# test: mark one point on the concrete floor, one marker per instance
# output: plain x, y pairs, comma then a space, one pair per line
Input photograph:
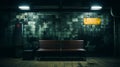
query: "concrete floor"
90, 62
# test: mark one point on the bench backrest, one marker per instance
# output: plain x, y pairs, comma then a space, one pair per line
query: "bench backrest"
72, 44
49, 44
61, 44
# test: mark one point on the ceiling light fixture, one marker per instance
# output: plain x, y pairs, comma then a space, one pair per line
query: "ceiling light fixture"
24, 7
96, 7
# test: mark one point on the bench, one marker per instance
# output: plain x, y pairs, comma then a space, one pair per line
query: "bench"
61, 49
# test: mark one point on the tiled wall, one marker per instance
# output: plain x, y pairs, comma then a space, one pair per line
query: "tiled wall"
63, 26
67, 25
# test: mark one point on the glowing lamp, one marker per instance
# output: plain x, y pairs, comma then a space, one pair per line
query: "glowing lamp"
24, 7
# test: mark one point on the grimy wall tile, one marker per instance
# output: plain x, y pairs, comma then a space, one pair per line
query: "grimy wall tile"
63, 26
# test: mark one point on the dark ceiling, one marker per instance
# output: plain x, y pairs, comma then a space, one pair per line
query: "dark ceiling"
45, 4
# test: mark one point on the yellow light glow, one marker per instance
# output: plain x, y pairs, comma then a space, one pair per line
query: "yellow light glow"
92, 21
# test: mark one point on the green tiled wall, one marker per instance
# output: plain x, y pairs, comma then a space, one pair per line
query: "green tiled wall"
67, 25
64, 26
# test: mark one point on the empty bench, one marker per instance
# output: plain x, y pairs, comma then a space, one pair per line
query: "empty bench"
61, 49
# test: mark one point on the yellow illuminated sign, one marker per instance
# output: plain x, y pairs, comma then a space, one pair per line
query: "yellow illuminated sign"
92, 21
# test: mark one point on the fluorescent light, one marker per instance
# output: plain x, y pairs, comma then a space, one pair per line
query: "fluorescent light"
24, 7
96, 7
